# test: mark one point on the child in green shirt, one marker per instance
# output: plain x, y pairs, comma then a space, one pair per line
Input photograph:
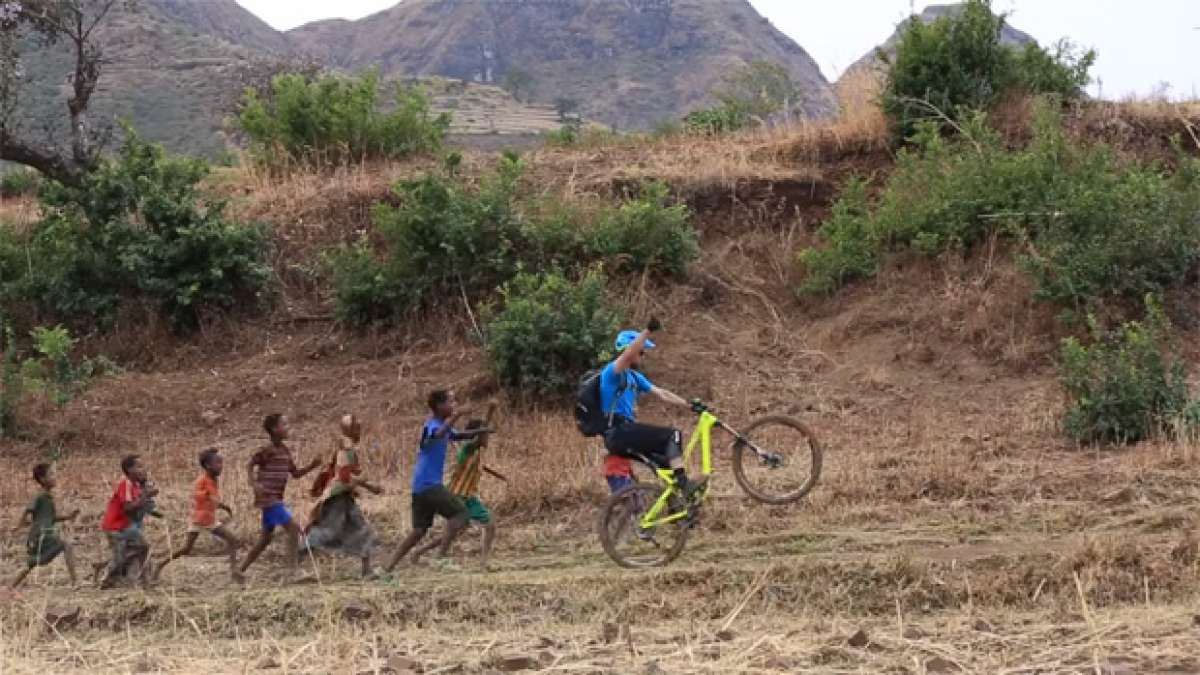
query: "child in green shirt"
43, 544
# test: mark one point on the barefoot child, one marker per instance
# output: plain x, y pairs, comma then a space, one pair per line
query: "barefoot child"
268, 472
132, 500
43, 544
206, 502
464, 484
429, 496
337, 522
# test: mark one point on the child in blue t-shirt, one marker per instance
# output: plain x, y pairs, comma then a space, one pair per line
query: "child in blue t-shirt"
429, 495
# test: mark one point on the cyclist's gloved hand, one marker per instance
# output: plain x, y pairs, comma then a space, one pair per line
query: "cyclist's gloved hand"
698, 406
655, 325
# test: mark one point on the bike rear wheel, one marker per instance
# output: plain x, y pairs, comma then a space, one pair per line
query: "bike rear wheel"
778, 461
627, 543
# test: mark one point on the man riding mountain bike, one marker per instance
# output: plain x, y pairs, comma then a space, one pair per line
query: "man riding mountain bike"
621, 384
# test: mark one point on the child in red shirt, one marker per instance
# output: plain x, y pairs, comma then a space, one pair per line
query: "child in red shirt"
132, 499
206, 502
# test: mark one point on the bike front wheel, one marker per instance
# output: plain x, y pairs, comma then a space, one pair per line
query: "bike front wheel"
777, 460
626, 542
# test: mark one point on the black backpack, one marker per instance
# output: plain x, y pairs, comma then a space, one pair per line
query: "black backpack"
590, 417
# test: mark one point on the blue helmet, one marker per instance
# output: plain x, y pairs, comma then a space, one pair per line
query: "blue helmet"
627, 337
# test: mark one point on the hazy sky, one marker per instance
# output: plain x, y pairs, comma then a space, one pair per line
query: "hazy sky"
1141, 44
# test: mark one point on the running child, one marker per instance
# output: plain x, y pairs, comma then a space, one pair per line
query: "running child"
206, 501
464, 484
337, 523
43, 544
429, 495
268, 472
132, 500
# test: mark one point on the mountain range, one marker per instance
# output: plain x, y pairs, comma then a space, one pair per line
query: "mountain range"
175, 68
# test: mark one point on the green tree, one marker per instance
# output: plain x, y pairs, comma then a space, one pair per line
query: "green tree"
518, 82
959, 61
137, 227
69, 28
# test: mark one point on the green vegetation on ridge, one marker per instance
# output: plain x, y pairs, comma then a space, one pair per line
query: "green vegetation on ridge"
959, 62
1097, 228
333, 120
446, 236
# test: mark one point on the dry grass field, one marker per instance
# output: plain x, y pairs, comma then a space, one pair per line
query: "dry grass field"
953, 530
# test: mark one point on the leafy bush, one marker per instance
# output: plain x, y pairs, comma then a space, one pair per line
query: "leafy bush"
50, 372
442, 236
647, 233
136, 228
1122, 388
1117, 234
717, 120
447, 237
366, 289
19, 183
958, 62
53, 372
1098, 229
336, 120
550, 330
562, 137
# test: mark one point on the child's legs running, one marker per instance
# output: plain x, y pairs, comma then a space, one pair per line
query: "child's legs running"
264, 540
292, 541
231, 543
455, 512
69, 559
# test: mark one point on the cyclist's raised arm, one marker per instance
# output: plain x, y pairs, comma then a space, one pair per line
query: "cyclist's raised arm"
670, 397
629, 355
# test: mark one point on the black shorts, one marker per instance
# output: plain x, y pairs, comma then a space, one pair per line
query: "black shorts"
435, 501
642, 442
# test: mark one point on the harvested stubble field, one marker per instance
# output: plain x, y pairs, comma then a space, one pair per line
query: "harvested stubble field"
953, 529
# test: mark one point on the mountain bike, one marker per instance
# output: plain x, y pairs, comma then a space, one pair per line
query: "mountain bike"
776, 460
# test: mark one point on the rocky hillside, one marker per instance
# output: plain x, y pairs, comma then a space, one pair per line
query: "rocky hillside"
1010, 35
629, 63
176, 67
227, 20
172, 67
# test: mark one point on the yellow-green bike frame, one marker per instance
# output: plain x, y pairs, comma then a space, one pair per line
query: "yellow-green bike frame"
702, 436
